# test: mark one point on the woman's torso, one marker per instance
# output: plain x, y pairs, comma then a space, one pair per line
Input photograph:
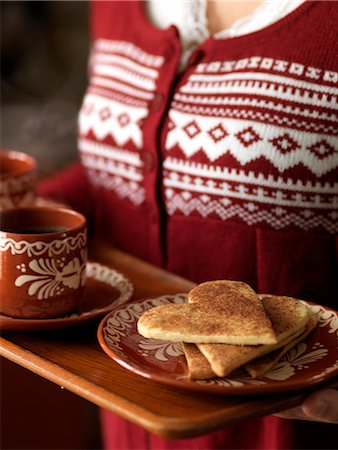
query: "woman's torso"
228, 169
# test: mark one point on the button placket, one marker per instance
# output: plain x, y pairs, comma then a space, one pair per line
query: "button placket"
150, 154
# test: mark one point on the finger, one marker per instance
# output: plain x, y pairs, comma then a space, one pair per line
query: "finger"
292, 413
322, 405
296, 413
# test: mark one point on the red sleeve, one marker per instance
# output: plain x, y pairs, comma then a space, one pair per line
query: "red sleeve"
71, 187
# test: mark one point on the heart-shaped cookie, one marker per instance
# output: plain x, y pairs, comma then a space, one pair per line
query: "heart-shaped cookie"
218, 311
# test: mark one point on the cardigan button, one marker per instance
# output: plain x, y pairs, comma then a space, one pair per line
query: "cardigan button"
195, 57
148, 160
156, 104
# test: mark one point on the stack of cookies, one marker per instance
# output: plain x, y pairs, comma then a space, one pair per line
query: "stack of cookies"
226, 325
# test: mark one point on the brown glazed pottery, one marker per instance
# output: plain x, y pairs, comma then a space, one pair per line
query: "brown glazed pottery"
43, 256
17, 179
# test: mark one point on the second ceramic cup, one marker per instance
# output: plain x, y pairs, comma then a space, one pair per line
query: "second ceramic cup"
43, 256
17, 179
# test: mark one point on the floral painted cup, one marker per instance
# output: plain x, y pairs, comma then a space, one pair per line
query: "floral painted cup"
43, 255
17, 179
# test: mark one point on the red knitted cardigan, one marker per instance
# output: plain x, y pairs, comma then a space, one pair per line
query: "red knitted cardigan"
227, 170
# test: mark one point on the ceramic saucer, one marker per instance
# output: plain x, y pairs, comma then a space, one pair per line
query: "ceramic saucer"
105, 288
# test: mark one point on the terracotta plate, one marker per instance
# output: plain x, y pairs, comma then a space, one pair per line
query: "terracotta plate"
105, 288
309, 363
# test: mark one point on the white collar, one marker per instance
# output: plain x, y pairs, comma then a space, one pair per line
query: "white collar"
190, 18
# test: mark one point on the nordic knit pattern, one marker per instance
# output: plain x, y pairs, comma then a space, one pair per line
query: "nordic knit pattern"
123, 83
255, 139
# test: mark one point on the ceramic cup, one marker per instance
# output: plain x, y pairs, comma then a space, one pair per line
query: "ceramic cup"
17, 179
43, 255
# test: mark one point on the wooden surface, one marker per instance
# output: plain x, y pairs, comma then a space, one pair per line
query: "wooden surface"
73, 359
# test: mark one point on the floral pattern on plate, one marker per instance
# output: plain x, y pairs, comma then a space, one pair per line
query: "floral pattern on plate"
308, 363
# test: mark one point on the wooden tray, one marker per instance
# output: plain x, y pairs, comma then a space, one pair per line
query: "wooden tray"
73, 359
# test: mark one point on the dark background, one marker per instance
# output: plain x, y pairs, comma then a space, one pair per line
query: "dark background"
44, 52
